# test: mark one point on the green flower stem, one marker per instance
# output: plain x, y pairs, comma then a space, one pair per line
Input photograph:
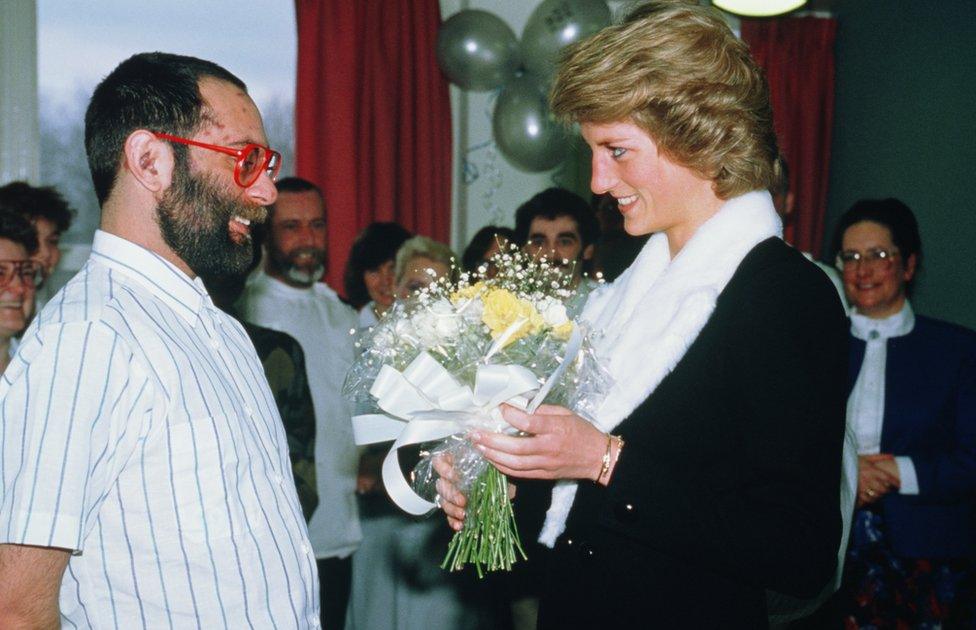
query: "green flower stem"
489, 539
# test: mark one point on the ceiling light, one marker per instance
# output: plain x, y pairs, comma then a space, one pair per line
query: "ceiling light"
759, 8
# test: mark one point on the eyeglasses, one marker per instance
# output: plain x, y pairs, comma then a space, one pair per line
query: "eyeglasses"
877, 258
30, 272
251, 160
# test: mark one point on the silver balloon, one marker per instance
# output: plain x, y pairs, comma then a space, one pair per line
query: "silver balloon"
556, 24
524, 129
477, 50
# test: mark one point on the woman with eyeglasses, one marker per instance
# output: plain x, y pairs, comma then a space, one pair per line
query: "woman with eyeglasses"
18, 276
913, 406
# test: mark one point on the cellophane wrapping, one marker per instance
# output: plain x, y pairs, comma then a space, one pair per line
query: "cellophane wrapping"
519, 317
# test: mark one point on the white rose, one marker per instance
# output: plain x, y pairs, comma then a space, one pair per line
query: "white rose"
446, 319
404, 328
436, 324
553, 312
424, 328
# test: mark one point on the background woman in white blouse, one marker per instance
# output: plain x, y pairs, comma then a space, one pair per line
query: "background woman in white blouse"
913, 406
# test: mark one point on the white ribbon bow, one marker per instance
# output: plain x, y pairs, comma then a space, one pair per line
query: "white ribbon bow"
425, 402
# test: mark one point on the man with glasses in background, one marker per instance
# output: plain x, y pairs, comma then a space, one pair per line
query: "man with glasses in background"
19, 275
145, 477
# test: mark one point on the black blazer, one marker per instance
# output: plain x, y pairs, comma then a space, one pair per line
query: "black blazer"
729, 481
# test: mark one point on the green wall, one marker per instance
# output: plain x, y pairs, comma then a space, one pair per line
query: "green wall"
905, 126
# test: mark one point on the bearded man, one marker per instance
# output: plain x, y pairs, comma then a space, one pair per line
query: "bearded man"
144, 471
287, 296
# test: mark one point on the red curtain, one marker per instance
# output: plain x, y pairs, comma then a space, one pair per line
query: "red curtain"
798, 57
373, 117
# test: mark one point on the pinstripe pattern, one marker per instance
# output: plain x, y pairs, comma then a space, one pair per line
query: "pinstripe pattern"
137, 428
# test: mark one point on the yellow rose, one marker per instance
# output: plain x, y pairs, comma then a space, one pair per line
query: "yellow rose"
563, 331
467, 292
503, 308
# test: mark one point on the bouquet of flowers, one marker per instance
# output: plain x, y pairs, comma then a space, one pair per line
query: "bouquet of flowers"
438, 366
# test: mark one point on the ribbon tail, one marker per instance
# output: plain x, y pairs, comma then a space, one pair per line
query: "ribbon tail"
396, 485
375, 427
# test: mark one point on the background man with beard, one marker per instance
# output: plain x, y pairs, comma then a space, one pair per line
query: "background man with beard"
144, 474
286, 296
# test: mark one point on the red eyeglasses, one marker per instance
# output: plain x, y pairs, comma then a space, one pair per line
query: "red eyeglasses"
251, 160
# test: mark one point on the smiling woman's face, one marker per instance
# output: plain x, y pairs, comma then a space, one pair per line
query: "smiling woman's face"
876, 288
653, 193
379, 285
17, 297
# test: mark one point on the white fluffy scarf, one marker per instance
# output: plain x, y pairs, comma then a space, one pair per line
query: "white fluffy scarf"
647, 319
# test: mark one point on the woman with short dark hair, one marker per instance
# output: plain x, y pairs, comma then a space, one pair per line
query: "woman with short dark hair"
913, 406
369, 277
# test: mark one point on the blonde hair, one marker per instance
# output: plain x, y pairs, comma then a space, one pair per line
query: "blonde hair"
678, 72
421, 246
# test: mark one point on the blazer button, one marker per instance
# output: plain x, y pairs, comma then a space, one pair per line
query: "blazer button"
625, 511
586, 552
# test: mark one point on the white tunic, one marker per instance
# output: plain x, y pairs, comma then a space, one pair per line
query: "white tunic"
322, 324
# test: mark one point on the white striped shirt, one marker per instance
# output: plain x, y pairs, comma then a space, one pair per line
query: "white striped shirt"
138, 430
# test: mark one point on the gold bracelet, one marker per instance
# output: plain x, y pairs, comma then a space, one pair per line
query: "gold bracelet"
620, 447
605, 463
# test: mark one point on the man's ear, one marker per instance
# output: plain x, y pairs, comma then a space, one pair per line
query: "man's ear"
588, 251
149, 160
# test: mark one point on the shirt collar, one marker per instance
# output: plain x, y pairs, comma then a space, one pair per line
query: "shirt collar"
897, 325
187, 296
